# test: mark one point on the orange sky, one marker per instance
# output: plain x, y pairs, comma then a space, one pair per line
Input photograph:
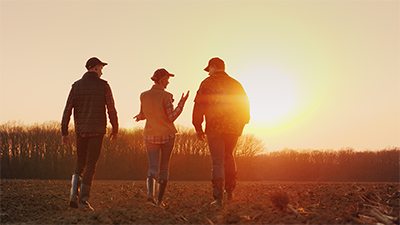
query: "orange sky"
319, 74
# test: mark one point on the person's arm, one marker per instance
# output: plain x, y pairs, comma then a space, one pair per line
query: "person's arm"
198, 115
172, 113
66, 117
140, 116
245, 106
112, 113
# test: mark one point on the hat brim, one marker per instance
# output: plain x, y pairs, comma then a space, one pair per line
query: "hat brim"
153, 78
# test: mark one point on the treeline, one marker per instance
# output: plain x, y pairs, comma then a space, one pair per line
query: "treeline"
36, 152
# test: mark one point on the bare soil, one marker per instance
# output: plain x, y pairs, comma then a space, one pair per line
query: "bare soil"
124, 202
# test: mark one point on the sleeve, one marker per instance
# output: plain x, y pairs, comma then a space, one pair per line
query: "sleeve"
141, 115
244, 104
172, 113
67, 112
198, 111
112, 112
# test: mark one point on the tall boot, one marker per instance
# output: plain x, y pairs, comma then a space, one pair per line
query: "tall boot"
162, 184
150, 181
84, 197
218, 192
73, 199
230, 185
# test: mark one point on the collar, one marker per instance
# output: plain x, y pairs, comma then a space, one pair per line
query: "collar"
157, 86
91, 74
218, 73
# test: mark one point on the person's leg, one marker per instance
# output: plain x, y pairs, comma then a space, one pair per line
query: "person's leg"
73, 199
93, 154
153, 152
153, 155
217, 151
216, 145
230, 164
81, 152
166, 151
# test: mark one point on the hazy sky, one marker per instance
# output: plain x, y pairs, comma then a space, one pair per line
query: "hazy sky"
319, 74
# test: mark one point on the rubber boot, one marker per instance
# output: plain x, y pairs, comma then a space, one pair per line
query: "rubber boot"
150, 181
218, 192
84, 197
162, 184
230, 185
73, 199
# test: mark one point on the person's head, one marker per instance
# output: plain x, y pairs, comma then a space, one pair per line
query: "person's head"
95, 65
161, 77
214, 65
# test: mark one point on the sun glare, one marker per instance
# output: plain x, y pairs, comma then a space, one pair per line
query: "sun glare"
272, 97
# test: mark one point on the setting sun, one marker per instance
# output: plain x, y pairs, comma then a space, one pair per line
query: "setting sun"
272, 97
279, 98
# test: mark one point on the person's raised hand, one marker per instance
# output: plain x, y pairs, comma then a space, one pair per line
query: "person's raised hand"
185, 97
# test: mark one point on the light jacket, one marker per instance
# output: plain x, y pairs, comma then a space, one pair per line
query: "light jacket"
152, 107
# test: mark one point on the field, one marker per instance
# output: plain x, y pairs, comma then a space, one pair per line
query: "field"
123, 202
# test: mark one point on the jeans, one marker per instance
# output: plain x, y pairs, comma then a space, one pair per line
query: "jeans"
88, 151
221, 149
157, 165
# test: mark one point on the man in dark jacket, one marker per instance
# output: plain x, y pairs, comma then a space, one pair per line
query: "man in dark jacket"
89, 97
222, 101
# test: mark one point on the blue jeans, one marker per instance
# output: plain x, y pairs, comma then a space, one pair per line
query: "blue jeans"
221, 149
157, 165
88, 150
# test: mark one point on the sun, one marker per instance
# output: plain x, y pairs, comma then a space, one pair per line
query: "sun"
272, 98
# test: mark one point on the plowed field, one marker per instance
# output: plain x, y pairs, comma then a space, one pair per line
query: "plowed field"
124, 202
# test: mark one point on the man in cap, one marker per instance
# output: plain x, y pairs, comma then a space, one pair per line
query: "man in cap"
222, 101
159, 131
88, 98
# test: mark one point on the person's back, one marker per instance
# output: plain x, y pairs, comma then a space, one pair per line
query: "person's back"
159, 132
88, 99
90, 104
226, 108
153, 102
225, 104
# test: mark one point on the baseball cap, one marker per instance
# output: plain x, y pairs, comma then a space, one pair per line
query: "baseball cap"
215, 61
94, 61
160, 73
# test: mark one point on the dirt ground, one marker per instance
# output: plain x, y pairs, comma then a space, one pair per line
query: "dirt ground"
124, 202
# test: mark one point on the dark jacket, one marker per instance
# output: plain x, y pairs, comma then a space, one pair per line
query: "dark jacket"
90, 104
224, 104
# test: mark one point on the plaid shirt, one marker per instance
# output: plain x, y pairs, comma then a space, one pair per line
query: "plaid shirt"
112, 113
172, 116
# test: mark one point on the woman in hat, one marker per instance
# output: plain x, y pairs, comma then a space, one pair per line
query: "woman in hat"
159, 131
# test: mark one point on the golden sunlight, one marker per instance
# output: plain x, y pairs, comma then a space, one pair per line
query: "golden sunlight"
272, 97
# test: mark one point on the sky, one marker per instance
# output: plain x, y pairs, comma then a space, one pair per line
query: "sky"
319, 74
